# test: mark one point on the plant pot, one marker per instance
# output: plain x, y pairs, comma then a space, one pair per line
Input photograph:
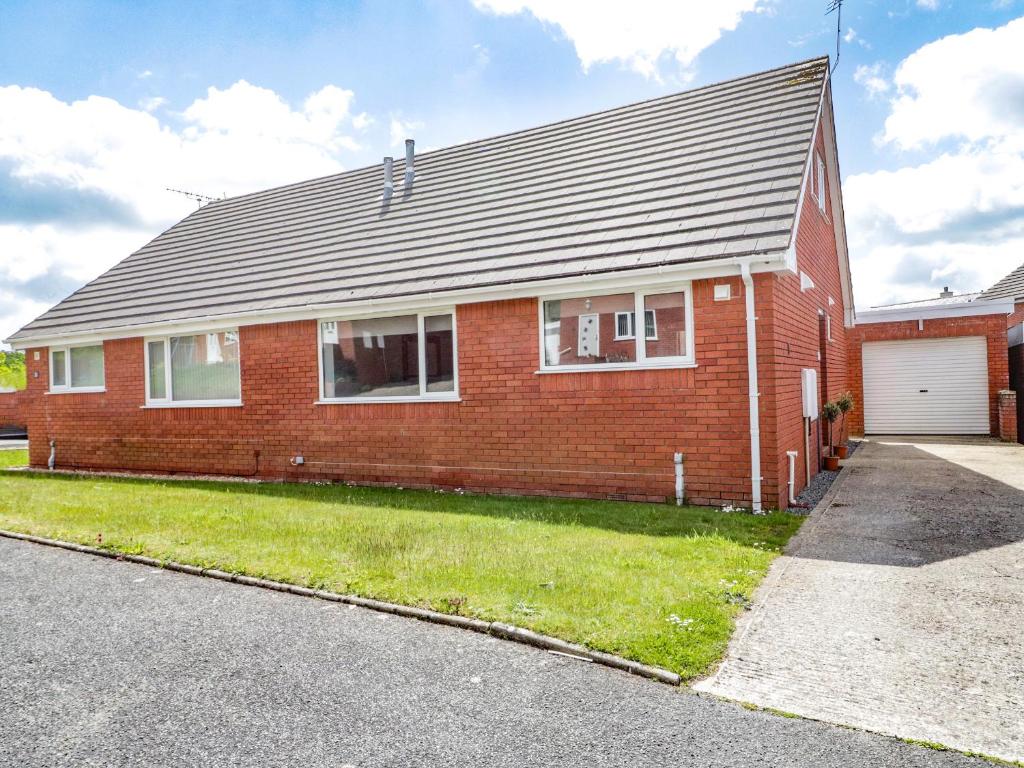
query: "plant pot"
831, 463
842, 451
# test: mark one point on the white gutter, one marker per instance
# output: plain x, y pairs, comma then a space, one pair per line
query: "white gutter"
936, 311
626, 280
754, 396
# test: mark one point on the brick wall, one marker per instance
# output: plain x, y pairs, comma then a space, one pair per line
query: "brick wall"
791, 320
597, 434
1017, 316
993, 327
14, 409
1008, 416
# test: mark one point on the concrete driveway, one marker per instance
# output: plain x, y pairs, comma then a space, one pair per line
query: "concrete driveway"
899, 607
105, 663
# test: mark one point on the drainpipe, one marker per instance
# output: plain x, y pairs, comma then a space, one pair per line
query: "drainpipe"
792, 476
678, 459
755, 428
52, 461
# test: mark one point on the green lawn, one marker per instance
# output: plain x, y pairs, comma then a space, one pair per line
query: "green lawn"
9, 458
651, 582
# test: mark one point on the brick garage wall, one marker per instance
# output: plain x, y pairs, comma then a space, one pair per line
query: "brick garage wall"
14, 409
789, 318
595, 434
993, 327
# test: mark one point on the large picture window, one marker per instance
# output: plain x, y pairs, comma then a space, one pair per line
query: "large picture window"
400, 357
600, 331
77, 369
199, 369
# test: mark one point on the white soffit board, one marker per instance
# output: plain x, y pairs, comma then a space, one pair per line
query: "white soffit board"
926, 386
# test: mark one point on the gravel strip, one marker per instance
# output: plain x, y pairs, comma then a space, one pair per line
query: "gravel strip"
819, 485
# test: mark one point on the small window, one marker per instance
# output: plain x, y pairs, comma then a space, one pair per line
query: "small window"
77, 369
200, 369
389, 358
598, 331
623, 325
819, 182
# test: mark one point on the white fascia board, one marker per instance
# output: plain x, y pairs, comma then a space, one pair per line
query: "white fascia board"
934, 312
626, 280
791, 262
838, 216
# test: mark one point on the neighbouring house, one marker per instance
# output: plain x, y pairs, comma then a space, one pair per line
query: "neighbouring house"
560, 310
1011, 288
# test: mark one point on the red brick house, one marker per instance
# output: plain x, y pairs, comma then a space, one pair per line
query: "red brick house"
560, 310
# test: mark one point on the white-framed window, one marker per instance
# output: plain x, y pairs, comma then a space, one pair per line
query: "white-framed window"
818, 186
625, 325
390, 358
199, 369
77, 368
587, 332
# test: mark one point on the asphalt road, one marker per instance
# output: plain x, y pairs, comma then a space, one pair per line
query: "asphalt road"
113, 664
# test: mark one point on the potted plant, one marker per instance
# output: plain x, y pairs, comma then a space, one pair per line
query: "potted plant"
845, 404
830, 412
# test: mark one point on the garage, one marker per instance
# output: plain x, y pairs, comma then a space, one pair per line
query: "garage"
927, 386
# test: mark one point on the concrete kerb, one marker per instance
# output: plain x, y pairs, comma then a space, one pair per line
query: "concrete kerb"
495, 628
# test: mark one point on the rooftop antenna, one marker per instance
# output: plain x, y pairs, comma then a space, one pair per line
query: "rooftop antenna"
836, 6
200, 199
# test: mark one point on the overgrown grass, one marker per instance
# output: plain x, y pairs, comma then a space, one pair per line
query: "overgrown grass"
13, 458
655, 583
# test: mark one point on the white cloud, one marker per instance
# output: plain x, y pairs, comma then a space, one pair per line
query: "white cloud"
954, 213
88, 177
637, 33
872, 77
968, 86
404, 129
928, 5
152, 104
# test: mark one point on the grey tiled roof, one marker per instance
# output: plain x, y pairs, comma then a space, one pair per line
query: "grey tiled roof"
705, 174
1010, 287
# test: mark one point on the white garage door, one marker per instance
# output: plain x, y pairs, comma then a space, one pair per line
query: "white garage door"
926, 386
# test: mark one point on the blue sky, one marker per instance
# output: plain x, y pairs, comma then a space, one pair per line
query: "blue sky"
103, 105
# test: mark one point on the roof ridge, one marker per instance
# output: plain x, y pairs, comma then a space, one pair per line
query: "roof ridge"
538, 126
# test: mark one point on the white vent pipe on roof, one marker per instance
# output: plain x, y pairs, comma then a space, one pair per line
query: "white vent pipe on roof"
410, 155
389, 182
754, 395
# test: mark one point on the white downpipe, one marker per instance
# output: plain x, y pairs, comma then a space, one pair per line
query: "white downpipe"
678, 458
792, 476
52, 461
755, 426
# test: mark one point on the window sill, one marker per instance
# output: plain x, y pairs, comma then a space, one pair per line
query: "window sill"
77, 391
194, 404
615, 367
357, 400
